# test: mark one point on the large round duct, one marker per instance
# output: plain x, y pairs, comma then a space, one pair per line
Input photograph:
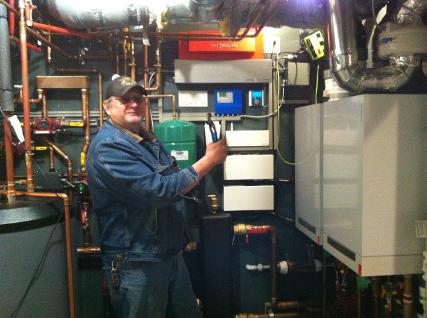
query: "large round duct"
98, 14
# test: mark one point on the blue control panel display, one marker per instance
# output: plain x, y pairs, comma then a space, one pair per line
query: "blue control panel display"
228, 102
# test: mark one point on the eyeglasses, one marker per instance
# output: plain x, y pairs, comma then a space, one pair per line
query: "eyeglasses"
136, 98
127, 99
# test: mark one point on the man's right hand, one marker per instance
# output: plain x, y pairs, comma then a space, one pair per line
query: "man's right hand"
216, 152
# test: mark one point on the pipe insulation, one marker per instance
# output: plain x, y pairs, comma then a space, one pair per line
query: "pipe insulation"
407, 10
6, 88
348, 71
99, 14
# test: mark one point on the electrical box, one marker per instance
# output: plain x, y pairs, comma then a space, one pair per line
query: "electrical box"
249, 167
256, 98
249, 198
298, 74
374, 182
247, 138
228, 102
308, 171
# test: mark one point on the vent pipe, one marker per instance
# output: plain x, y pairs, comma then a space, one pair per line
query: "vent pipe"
6, 88
101, 15
348, 71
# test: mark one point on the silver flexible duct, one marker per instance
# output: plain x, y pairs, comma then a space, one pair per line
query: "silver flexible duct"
351, 74
99, 14
408, 11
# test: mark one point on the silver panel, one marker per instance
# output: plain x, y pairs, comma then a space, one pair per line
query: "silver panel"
375, 181
236, 71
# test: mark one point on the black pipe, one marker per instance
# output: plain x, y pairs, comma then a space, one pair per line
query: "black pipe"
6, 89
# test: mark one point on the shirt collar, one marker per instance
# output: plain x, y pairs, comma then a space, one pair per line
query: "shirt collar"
138, 138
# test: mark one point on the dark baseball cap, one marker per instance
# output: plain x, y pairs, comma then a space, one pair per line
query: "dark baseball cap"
121, 85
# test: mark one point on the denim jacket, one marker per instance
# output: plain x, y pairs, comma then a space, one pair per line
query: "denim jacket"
135, 190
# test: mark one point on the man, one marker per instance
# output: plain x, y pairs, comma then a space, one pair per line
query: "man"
137, 193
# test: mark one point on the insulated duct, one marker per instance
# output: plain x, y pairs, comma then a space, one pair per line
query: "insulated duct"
6, 88
98, 14
101, 15
407, 10
348, 71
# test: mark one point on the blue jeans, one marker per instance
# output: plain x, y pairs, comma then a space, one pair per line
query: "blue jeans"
150, 289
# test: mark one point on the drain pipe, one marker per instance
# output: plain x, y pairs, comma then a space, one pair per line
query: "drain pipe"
348, 71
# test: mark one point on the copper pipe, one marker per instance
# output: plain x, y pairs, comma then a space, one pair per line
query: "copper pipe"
25, 96
86, 120
89, 250
10, 175
67, 159
275, 315
67, 32
30, 46
164, 96
177, 35
158, 66
132, 63
51, 45
51, 159
125, 56
407, 297
100, 93
66, 201
81, 70
12, 18
289, 305
147, 114
37, 100
146, 69
44, 105
117, 57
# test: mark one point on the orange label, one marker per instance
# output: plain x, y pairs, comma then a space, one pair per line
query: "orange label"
245, 45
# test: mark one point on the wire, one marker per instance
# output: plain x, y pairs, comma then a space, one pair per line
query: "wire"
194, 198
39, 267
374, 16
317, 83
261, 116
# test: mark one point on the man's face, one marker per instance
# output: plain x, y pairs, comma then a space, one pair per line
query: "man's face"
127, 111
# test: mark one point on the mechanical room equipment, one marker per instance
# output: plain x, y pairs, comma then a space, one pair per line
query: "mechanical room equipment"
179, 138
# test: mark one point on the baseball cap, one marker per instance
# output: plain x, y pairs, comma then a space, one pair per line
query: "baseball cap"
121, 85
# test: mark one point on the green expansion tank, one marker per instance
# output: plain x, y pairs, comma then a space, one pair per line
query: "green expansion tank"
179, 138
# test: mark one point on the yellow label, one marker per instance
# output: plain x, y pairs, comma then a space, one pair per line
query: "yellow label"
40, 148
76, 124
82, 159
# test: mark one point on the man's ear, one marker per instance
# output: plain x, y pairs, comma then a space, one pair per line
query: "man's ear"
106, 106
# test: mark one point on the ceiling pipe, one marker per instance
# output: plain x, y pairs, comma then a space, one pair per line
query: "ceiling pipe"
346, 68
